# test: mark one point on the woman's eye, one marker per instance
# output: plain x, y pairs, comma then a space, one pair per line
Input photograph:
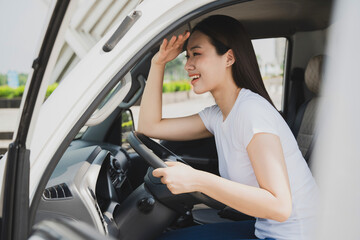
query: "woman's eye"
187, 56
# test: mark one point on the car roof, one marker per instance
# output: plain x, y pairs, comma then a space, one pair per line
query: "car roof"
272, 18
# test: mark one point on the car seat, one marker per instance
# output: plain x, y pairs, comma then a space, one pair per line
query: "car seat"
304, 126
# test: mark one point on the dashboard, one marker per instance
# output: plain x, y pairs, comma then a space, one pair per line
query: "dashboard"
88, 184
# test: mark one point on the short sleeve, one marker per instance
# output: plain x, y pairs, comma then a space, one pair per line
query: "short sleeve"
208, 116
258, 117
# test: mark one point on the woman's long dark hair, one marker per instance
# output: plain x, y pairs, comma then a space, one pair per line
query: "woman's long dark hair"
227, 33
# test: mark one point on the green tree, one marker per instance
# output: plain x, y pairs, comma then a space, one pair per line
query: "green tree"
174, 70
22, 79
3, 79
51, 88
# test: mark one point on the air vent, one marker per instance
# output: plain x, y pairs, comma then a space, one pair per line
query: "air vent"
60, 191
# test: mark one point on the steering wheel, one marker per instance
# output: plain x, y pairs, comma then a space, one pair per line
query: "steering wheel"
156, 154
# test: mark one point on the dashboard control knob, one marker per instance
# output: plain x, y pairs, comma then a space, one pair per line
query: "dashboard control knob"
145, 205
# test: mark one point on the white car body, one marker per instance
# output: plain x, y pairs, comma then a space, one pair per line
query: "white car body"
53, 120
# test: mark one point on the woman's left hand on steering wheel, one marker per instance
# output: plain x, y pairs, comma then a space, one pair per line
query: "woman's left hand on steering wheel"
178, 177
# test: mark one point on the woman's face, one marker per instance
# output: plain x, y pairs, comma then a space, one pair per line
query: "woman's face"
205, 67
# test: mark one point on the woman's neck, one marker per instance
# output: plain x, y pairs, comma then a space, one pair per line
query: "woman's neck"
225, 97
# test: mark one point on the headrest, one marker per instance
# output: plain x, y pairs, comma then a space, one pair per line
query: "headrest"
313, 73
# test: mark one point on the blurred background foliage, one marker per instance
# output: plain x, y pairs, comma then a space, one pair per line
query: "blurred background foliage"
9, 92
175, 80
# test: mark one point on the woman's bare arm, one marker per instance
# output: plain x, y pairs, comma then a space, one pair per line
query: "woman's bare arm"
151, 122
271, 200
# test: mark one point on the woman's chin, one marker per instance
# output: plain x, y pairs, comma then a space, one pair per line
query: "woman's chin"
198, 90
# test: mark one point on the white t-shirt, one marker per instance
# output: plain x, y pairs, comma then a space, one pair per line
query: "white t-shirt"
253, 114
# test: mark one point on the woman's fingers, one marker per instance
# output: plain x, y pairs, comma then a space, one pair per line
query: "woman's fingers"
177, 41
163, 45
177, 177
186, 35
170, 49
171, 42
159, 172
163, 180
171, 163
182, 38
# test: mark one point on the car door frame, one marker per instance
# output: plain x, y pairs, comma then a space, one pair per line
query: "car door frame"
15, 210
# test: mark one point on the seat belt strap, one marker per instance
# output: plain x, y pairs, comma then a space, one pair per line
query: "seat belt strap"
310, 150
299, 118
295, 94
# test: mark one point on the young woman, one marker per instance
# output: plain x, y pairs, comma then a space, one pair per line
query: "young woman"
263, 173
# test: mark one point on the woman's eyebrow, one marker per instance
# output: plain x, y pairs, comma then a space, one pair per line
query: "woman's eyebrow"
194, 47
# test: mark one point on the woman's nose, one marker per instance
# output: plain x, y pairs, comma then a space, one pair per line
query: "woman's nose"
188, 65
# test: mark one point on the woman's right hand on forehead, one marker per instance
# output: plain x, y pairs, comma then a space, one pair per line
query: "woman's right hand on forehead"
169, 50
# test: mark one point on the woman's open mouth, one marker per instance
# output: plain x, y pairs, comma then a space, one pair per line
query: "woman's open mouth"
195, 78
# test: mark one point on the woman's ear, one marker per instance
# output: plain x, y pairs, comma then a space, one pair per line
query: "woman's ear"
230, 58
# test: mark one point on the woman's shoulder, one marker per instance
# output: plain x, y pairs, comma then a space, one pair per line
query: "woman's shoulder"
253, 107
213, 109
250, 101
211, 112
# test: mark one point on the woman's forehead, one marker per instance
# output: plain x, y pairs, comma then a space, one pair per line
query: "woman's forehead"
197, 40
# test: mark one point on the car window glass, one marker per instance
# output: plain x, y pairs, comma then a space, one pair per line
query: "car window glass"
270, 53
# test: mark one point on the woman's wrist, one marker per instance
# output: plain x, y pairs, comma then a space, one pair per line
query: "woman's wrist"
158, 65
154, 62
201, 180
156, 71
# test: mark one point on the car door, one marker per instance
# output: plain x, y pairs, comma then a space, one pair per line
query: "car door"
14, 185
337, 152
